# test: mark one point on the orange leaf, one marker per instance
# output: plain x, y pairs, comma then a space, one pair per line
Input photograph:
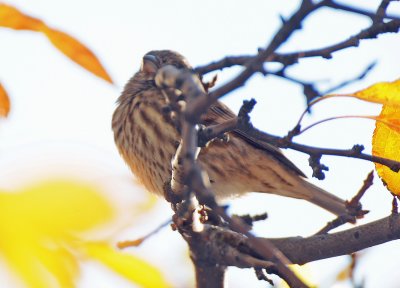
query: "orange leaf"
11, 17
77, 52
344, 274
130, 243
386, 143
4, 102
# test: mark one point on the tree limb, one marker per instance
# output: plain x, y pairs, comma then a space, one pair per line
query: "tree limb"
301, 250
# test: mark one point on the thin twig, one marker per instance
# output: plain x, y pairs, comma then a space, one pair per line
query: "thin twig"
351, 81
354, 202
255, 64
352, 205
381, 12
139, 241
339, 221
206, 134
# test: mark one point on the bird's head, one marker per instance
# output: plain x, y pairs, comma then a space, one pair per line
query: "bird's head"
156, 59
143, 80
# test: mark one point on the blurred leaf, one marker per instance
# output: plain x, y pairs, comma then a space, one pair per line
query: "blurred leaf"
131, 243
346, 273
11, 17
4, 102
42, 235
386, 143
303, 272
41, 221
128, 266
147, 205
77, 52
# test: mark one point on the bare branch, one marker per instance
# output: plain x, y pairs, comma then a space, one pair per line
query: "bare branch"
290, 58
351, 81
353, 205
256, 64
191, 87
369, 33
381, 12
354, 152
302, 250
209, 133
372, 15
367, 183
226, 240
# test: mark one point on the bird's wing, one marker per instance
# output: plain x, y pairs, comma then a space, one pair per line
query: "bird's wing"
219, 112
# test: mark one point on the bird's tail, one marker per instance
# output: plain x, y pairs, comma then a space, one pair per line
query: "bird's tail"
326, 200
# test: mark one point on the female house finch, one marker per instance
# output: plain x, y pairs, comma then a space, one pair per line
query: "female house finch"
148, 139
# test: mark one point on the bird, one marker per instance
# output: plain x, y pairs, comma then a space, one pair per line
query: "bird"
147, 139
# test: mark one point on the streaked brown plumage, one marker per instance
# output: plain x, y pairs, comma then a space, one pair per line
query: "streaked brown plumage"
147, 140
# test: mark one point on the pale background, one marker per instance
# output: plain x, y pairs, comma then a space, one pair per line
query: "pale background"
59, 124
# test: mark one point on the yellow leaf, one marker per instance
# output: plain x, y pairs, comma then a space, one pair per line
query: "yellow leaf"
303, 272
128, 266
41, 221
146, 206
11, 17
42, 235
4, 102
386, 143
389, 118
383, 93
72, 206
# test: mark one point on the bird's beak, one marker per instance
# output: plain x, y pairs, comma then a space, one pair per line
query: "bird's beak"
150, 64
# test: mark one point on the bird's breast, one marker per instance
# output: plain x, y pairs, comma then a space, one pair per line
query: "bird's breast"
147, 140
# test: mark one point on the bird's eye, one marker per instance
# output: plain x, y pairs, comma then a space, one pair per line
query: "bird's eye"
150, 64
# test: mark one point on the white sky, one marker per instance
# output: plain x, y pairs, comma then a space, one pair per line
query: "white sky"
60, 123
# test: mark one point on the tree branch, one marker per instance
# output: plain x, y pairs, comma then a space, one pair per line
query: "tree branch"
354, 152
291, 58
303, 250
170, 77
356, 10
226, 241
256, 64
